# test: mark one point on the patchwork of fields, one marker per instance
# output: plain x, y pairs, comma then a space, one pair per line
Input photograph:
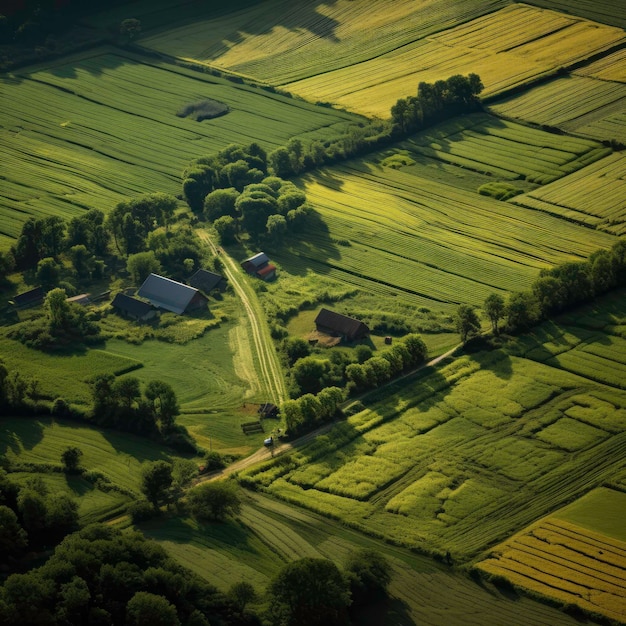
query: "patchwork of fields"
102, 126
506, 49
571, 563
462, 457
393, 232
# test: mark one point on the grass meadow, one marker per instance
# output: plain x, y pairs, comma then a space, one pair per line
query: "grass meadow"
270, 533
99, 127
577, 555
507, 49
392, 233
33, 446
463, 456
280, 41
584, 105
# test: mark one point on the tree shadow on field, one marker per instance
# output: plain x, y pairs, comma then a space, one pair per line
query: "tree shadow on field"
386, 611
22, 433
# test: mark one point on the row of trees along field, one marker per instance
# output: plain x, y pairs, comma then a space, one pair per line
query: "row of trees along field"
99, 575
313, 373
555, 290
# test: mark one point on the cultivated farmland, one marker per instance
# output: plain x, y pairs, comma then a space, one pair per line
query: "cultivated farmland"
571, 563
100, 127
507, 49
460, 458
593, 196
282, 41
393, 232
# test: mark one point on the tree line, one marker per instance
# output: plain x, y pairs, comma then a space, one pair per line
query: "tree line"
556, 290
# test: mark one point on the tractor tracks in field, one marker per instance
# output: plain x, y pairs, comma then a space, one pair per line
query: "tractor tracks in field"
270, 372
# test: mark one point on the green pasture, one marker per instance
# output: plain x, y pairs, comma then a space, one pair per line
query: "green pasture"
578, 104
466, 454
593, 196
65, 375
395, 235
270, 533
33, 445
279, 42
97, 128
505, 149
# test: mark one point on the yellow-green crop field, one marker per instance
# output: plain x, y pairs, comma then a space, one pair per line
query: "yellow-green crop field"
604, 11
593, 196
280, 41
392, 232
100, 127
579, 104
609, 67
507, 48
572, 563
464, 456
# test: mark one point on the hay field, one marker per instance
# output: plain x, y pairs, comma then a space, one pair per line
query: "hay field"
280, 41
571, 563
593, 196
391, 232
578, 104
269, 533
102, 126
507, 48
461, 457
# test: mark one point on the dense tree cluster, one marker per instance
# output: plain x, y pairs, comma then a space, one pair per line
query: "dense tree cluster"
100, 575
31, 518
309, 410
435, 102
121, 403
17, 393
63, 324
559, 288
214, 501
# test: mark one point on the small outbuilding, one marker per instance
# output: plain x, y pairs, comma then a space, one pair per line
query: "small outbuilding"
33, 297
259, 265
82, 299
338, 325
207, 281
133, 308
168, 294
267, 409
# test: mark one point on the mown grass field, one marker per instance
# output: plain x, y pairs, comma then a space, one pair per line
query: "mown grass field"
392, 233
506, 48
593, 196
270, 533
97, 128
280, 41
465, 455
578, 104
571, 562
38, 444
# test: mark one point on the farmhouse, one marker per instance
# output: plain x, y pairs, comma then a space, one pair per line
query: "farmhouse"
133, 308
29, 298
338, 325
171, 295
207, 281
259, 265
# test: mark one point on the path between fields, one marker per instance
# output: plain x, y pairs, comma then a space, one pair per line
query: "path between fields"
271, 375
265, 454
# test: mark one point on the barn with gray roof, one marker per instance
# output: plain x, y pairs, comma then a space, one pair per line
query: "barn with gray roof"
168, 294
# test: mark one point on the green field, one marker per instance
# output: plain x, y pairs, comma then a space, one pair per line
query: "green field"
270, 533
97, 128
33, 445
463, 456
393, 233
280, 41
593, 196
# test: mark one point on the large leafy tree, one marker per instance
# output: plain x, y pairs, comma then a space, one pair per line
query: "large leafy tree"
156, 479
309, 592
467, 322
494, 307
163, 403
213, 502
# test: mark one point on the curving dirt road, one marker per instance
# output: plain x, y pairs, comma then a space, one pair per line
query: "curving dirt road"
271, 375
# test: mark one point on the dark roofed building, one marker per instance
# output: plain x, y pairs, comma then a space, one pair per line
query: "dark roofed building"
168, 294
339, 325
259, 265
207, 281
82, 298
29, 298
267, 409
133, 308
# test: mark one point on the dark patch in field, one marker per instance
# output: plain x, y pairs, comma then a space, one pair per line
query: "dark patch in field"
203, 110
